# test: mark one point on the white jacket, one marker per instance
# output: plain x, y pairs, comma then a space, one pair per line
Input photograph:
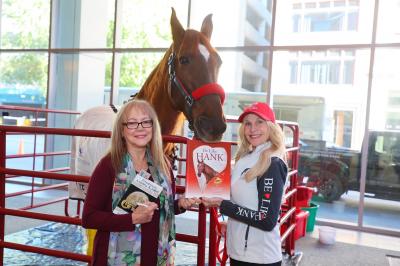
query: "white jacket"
253, 231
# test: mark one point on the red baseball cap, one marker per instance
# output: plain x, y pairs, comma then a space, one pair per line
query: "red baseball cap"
261, 109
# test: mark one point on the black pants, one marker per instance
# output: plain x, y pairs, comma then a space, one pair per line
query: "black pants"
241, 263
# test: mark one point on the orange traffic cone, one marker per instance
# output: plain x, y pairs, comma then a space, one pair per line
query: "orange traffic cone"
21, 149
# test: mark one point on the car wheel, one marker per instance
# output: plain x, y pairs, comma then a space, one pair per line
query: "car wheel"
330, 188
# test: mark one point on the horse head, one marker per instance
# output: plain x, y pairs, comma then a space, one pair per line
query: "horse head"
193, 71
200, 167
206, 170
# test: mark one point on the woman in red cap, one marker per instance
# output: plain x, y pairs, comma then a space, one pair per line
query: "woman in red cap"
257, 186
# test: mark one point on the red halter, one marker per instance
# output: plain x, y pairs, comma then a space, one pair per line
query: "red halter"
210, 88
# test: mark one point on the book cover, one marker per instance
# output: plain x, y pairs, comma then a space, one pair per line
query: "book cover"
140, 191
132, 196
208, 169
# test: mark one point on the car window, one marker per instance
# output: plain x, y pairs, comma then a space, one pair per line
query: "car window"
379, 144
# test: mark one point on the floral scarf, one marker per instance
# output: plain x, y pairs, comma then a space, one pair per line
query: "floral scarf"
124, 247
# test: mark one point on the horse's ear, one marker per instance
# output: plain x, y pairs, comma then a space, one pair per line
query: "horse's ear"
177, 30
207, 26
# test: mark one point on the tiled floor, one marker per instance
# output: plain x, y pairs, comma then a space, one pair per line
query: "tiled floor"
364, 239
187, 223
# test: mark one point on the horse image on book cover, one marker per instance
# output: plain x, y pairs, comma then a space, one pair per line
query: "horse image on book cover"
208, 169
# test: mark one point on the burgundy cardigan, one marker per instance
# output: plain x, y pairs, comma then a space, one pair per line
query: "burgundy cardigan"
97, 214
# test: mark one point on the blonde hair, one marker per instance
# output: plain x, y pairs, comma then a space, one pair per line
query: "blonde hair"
277, 139
118, 143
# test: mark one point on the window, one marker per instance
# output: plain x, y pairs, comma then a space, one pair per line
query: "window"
393, 120
335, 67
352, 22
394, 101
23, 75
343, 128
293, 71
94, 58
323, 22
317, 72
348, 71
296, 23
340, 17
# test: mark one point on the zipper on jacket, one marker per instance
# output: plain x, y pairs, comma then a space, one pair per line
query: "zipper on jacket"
246, 237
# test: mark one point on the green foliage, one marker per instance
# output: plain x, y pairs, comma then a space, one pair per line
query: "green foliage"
135, 68
25, 29
25, 69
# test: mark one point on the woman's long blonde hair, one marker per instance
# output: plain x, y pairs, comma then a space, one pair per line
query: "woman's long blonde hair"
118, 143
276, 137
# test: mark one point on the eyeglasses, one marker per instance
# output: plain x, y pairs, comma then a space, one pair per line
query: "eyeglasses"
135, 125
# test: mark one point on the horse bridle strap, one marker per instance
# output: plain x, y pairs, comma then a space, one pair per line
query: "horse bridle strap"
190, 98
210, 88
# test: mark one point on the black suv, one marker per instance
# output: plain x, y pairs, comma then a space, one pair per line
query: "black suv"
335, 170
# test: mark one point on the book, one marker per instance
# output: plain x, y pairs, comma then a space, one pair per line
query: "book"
208, 169
140, 191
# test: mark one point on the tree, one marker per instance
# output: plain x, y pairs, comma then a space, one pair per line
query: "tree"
25, 29
25, 25
139, 32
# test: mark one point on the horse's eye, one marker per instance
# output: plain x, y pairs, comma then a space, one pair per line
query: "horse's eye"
184, 60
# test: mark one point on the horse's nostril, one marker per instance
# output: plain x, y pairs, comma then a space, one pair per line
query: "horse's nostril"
201, 122
212, 126
223, 127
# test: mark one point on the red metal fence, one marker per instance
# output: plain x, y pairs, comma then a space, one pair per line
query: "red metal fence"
35, 116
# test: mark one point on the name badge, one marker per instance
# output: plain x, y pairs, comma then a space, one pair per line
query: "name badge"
147, 186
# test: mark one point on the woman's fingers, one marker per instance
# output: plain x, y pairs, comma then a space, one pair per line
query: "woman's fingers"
211, 202
207, 202
185, 203
144, 213
196, 201
152, 205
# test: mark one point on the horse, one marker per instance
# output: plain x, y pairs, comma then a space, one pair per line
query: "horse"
183, 85
206, 170
205, 174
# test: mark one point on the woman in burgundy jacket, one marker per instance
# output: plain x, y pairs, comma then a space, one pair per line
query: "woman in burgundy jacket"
131, 195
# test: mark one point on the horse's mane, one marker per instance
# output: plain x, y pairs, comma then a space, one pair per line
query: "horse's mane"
155, 79
155, 91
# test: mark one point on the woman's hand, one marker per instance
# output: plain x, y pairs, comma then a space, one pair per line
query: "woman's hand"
211, 202
143, 214
187, 203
